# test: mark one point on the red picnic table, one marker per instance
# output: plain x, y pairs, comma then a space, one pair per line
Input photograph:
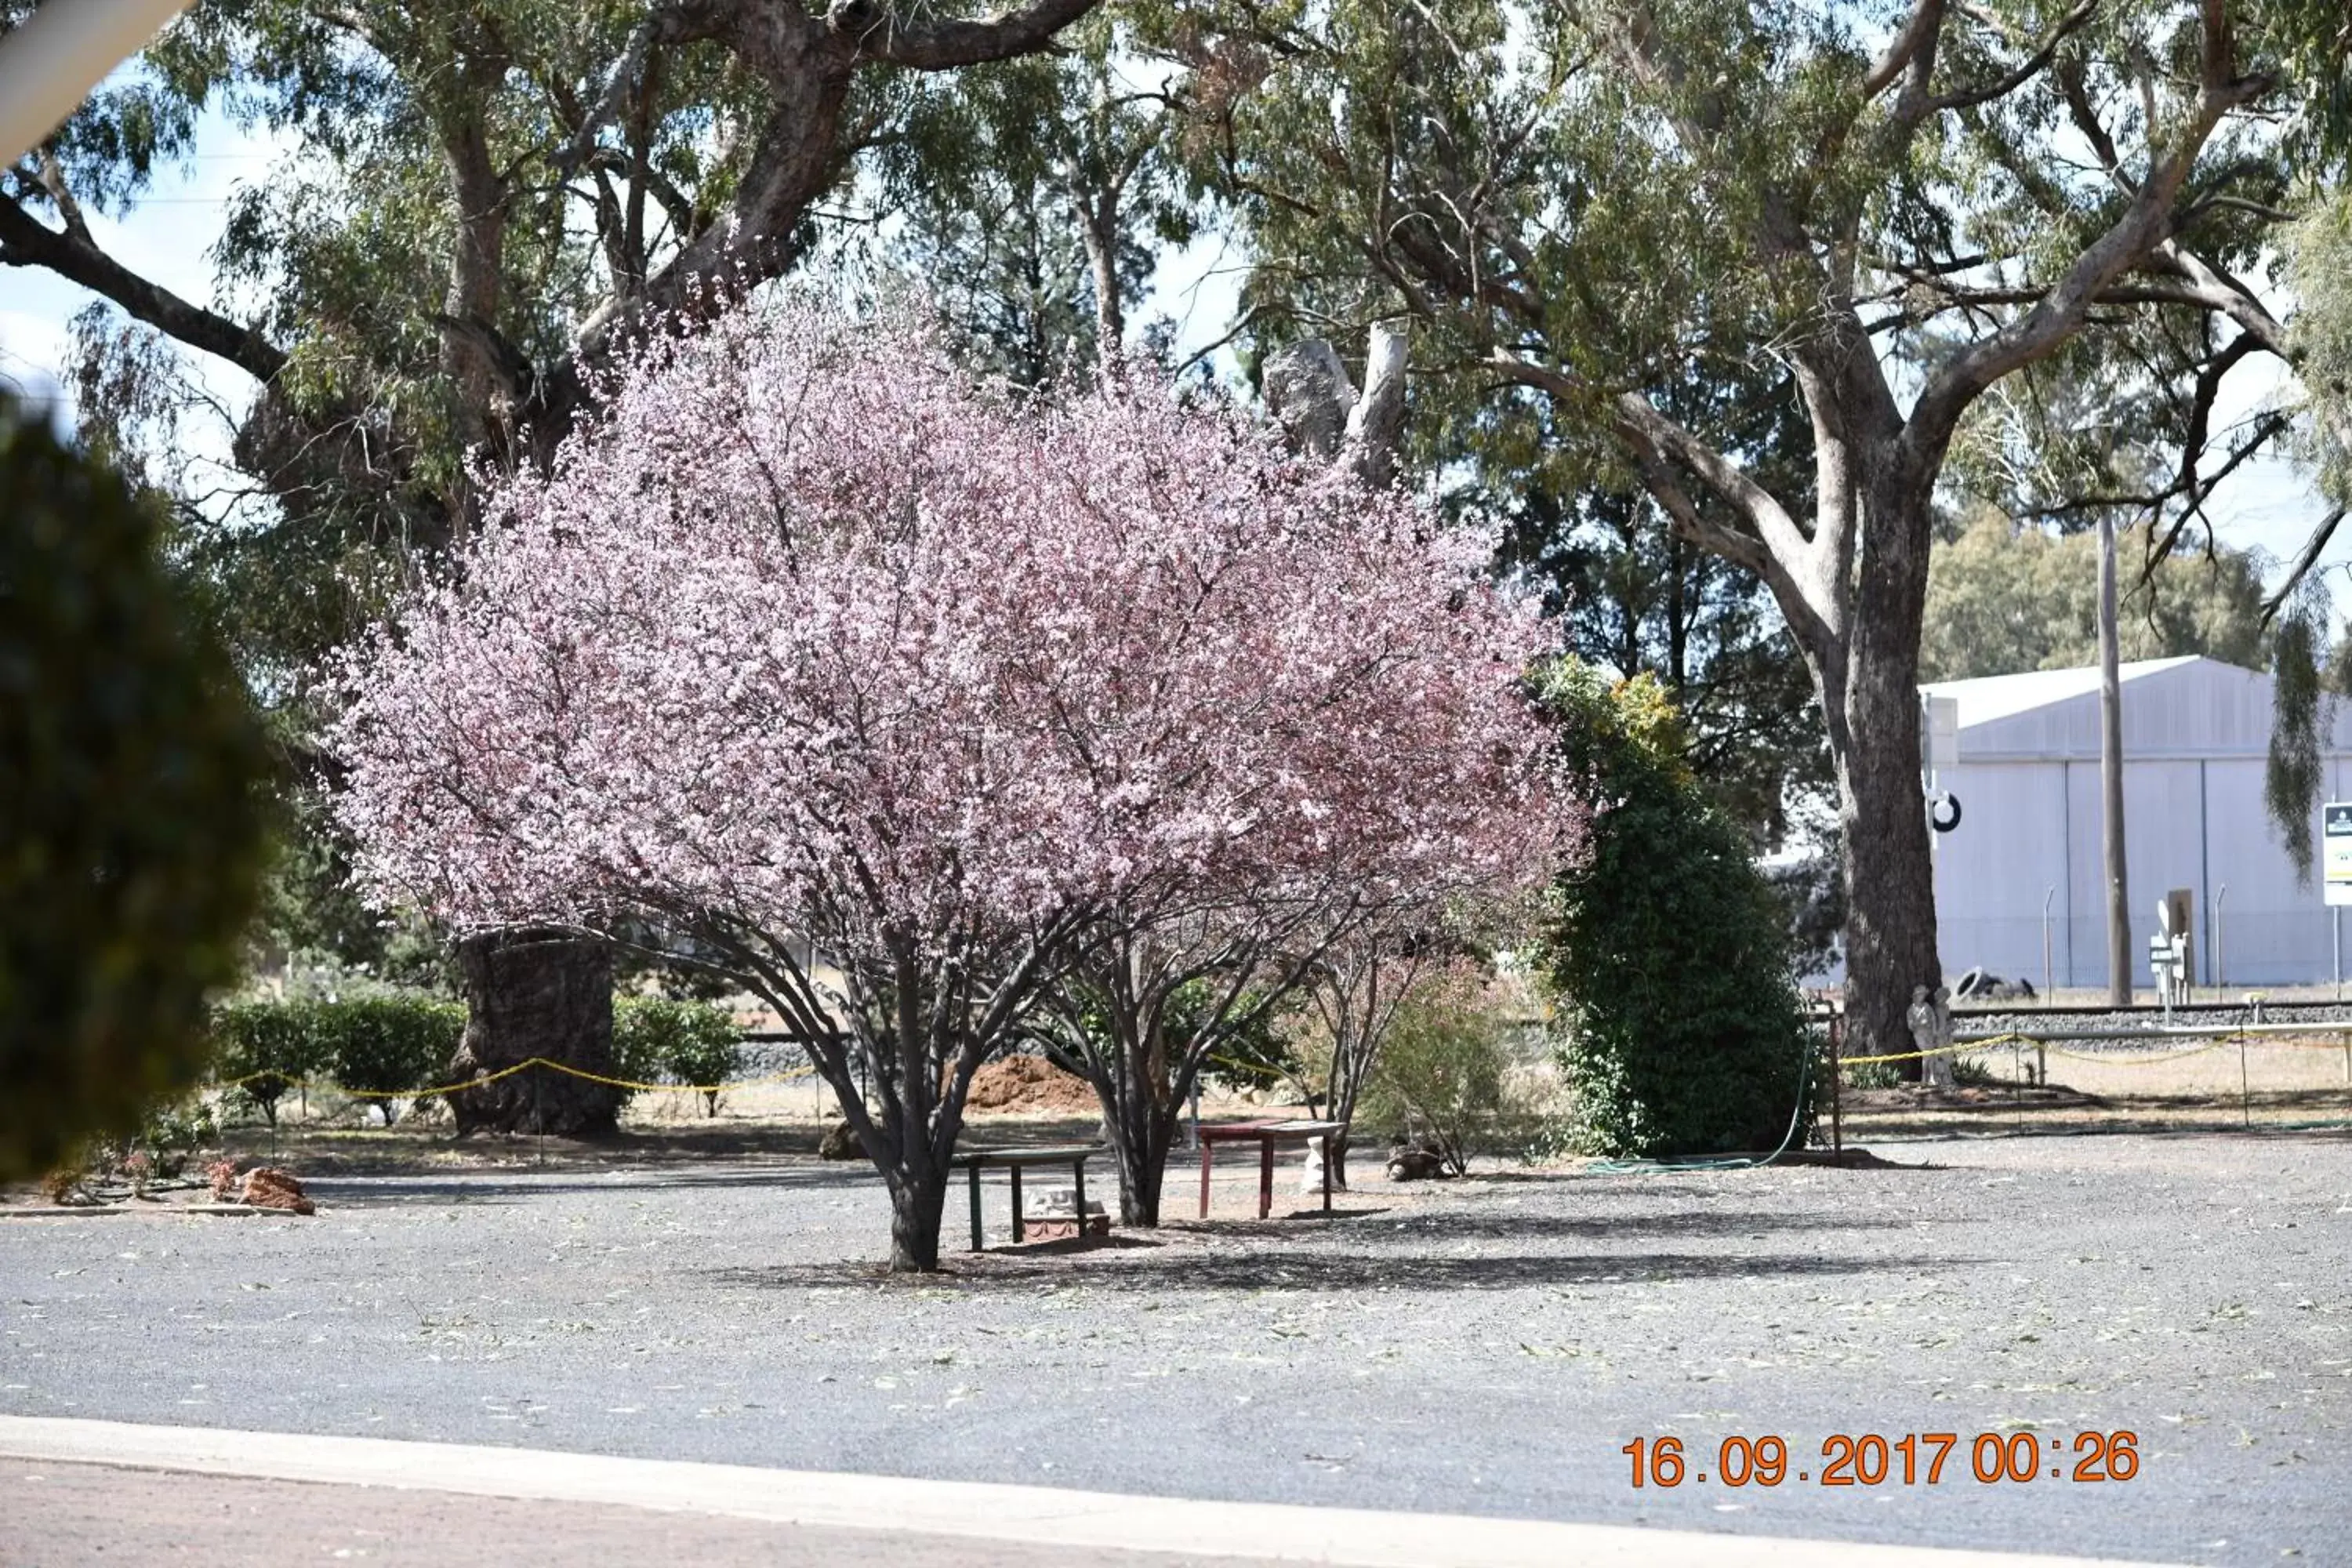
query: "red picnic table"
1268, 1136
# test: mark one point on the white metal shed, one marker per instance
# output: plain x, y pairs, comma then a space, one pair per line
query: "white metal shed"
2196, 735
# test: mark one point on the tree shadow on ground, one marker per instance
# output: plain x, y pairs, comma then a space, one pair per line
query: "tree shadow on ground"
1696, 1224
1161, 1268
482, 1187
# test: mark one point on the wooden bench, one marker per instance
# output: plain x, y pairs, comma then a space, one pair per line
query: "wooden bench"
1268, 1136
1016, 1160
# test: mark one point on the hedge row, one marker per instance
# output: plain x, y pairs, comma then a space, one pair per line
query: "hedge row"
381, 1049
378, 1049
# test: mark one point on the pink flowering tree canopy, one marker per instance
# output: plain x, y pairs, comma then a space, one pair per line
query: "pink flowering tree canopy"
813, 645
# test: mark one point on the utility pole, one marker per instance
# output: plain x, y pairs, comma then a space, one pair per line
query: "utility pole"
2111, 772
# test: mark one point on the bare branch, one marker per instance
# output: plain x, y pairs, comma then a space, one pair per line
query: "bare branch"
1919, 31
2143, 224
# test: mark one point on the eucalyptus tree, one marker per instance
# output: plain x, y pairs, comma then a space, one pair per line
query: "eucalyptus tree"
484, 198
1885, 210
1031, 200
2004, 597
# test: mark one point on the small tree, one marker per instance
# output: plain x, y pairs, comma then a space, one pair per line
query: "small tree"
264, 1048
1442, 1077
1684, 1032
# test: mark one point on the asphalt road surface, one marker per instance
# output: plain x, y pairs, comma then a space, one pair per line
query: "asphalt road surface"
1485, 1348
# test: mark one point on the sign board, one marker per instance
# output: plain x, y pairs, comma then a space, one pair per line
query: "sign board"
2335, 853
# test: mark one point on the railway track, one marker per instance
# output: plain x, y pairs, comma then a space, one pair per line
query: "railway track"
2077, 1022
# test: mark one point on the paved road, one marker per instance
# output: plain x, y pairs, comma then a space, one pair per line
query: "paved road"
1484, 1349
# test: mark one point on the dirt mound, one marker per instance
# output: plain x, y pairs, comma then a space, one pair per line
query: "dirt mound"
1029, 1084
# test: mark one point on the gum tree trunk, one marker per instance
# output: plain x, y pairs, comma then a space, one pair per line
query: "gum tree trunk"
1890, 928
536, 994
1869, 691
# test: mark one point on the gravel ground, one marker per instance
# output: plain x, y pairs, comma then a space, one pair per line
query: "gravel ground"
1487, 1347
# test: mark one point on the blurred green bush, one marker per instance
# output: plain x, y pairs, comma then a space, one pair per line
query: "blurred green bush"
131, 830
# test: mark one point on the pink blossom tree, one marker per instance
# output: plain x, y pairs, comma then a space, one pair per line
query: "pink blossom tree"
811, 643
1328, 666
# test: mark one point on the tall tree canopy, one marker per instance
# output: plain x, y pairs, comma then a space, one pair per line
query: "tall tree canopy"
1880, 212
2003, 598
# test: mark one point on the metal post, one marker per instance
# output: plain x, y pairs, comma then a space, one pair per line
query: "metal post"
2335, 936
1837, 1088
2245, 1092
2049, 972
2111, 772
2221, 947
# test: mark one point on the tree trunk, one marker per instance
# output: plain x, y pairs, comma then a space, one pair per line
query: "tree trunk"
536, 993
1141, 1134
918, 1199
1890, 884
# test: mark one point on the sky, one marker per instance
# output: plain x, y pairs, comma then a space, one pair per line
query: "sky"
2268, 505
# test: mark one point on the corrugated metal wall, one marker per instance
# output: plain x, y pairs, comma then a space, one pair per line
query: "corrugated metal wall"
2195, 737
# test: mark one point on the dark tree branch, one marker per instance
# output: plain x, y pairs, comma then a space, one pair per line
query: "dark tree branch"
2026, 70
26, 242
2303, 561
880, 34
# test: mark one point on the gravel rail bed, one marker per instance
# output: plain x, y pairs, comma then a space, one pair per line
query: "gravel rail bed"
2324, 1017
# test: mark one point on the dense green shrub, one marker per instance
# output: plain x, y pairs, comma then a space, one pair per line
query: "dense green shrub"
261, 1048
130, 832
657, 1040
1684, 1033
381, 1048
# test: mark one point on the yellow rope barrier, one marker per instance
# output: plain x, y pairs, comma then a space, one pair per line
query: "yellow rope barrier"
2116, 1059
484, 1079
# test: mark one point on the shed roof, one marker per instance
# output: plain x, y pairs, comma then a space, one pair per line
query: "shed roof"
2185, 707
